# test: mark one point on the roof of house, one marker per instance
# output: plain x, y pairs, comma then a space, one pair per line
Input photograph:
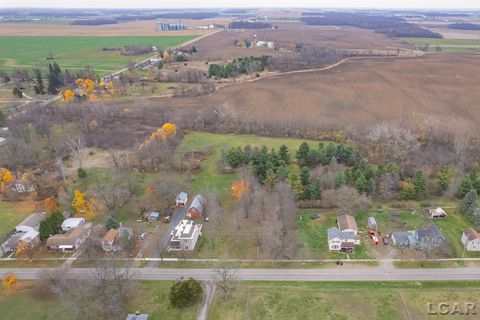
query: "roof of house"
154, 214
402, 236
125, 232
182, 196
33, 220
438, 212
431, 232
72, 222
2, 140
137, 316
29, 236
69, 238
198, 202
344, 235
110, 235
346, 221
372, 221
185, 229
471, 234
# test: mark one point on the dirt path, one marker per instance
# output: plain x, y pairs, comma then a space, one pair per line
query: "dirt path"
210, 289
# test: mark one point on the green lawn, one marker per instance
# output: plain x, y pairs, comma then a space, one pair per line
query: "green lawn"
76, 52
447, 45
152, 299
344, 301
11, 213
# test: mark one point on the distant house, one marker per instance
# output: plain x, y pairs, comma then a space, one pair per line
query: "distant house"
426, 239
72, 223
70, 241
341, 240
3, 141
471, 240
21, 187
109, 239
185, 235
347, 222
197, 207
137, 316
372, 223
153, 216
26, 231
437, 213
181, 199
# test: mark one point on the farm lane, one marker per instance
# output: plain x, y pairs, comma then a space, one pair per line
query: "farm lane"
324, 274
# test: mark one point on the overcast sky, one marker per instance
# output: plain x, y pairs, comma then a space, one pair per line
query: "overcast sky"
460, 4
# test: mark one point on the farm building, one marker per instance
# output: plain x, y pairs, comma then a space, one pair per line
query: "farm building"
265, 44
437, 213
403, 238
185, 235
70, 241
372, 223
109, 239
341, 240
181, 199
471, 239
197, 207
137, 316
72, 223
166, 26
347, 222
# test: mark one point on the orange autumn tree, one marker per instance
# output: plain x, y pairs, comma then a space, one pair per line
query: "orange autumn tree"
22, 248
6, 177
68, 95
239, 188
81, 204
163, 133
50, 205
9, 280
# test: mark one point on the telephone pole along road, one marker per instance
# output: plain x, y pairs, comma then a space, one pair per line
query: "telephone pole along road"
327, 274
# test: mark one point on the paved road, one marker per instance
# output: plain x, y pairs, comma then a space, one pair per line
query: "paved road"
327, 274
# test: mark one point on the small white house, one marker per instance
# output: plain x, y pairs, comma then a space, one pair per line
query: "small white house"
341, 240
185, 235
181, 199
471, 240
72, 223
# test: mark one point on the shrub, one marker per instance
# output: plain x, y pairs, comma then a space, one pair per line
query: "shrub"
185, 293
81, 173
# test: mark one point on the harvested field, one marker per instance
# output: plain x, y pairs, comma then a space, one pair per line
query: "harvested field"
220, 46
361, 92
139, 28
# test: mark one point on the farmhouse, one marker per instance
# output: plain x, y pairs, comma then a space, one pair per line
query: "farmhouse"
181, 199
152, 216
197, 207
471, 240
185, 235
109, 239
437, 213
70, 241
347, 222
341, 240
72, 223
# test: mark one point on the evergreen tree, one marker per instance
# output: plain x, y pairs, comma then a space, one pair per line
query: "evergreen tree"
420, 184
284, 154
316, 189
303, 152
340, 180
3, 118
112, 223
469, 203
304, 176
296, 185
475, 217
465, 187
39, 87
408, 190
361, 183
53, 80
443, 177
51, 225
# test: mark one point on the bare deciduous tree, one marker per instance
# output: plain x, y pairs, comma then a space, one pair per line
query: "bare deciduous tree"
223, 279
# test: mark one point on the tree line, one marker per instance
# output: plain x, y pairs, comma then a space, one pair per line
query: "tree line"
238, 66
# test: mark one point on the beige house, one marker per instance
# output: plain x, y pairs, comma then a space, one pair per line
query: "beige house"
109, 239
437, 213
471, 240
70, 241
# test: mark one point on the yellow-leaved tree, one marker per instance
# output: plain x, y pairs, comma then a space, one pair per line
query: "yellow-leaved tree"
9, 280
163, 133
6, 177
68, 95
81, 204
239, 187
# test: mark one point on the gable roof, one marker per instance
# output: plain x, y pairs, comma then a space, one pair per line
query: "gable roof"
471, 234
110, 235
198, 203
33, 220
346, 221
438, 212
344, 235
69, 238
431, 232
403, 237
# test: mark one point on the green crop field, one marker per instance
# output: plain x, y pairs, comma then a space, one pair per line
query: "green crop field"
76, 52
446, 45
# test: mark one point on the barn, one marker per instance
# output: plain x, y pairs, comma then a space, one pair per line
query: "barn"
197, 207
